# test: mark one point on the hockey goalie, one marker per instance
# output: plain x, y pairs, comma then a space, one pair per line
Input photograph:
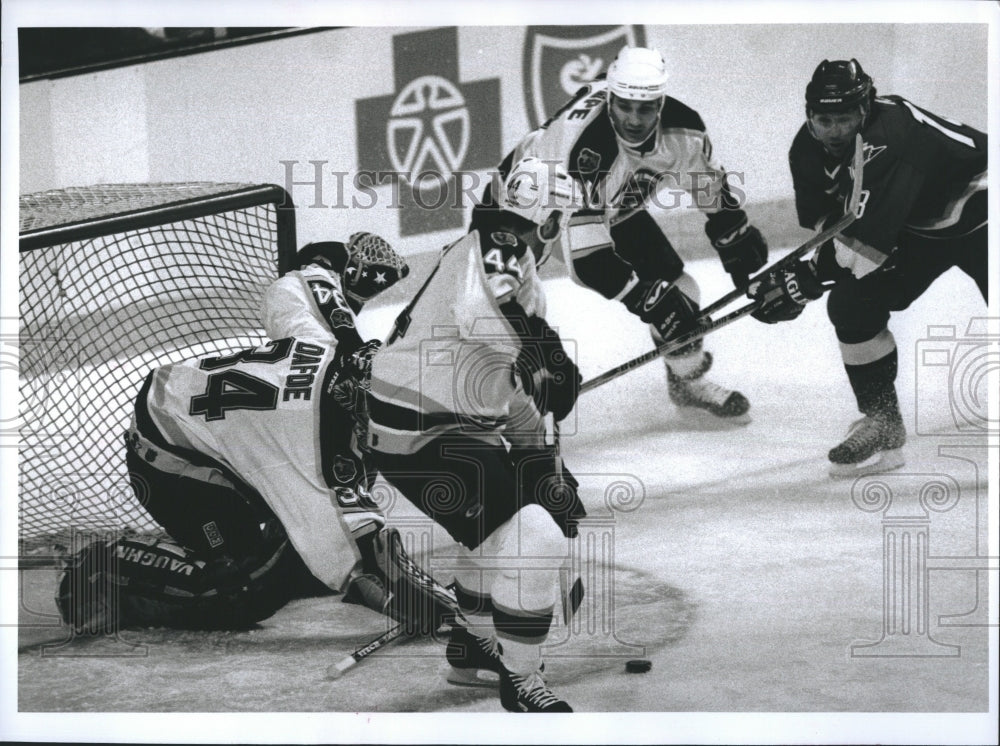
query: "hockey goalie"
254, 464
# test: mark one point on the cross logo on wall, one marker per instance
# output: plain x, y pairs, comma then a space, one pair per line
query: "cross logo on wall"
430, 130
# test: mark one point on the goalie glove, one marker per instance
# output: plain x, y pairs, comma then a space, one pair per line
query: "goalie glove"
741, 247
353, 380
782, 294
390, 582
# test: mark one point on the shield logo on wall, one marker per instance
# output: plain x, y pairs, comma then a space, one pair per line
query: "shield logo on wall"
558, 60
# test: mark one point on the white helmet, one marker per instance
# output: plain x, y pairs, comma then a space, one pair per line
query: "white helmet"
638, 74
535, 189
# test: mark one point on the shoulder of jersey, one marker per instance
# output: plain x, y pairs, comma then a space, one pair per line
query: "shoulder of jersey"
677, 115
315, 271
891, 118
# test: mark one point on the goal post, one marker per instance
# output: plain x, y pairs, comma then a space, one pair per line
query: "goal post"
116, 279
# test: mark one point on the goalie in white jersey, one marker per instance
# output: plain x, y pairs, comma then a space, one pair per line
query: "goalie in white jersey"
467, 374
638, 149
253, 463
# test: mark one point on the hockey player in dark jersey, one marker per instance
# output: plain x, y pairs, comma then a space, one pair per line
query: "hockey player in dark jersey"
923, 210
637, 149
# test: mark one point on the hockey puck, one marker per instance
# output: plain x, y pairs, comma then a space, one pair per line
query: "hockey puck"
639, 665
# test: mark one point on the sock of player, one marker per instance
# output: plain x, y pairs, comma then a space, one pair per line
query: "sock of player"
684, 366
521, 634
477, 607
523, 605
874, 383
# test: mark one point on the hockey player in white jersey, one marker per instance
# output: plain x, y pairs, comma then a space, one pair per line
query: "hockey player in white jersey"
320, 298
457, 399
251, 463
638, 148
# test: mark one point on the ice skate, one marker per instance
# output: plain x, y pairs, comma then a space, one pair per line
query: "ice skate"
694, 395
528, 693
474, 660
873, 444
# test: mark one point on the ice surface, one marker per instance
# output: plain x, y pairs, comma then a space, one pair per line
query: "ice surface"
744, 573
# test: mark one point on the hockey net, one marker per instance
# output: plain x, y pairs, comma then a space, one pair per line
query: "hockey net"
115, 280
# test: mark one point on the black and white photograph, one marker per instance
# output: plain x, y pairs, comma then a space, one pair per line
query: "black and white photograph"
380, 372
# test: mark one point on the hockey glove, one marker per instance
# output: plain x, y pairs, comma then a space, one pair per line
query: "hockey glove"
782, 294
354, 378
548, 374
664, 306
742, 248
359, 364
547, 482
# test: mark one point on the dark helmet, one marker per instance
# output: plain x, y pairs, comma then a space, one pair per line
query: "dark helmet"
836, 86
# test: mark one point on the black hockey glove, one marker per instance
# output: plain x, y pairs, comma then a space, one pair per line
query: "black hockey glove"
546, 481
664, 306
742, 248
548, 374
354, 377
782, 294
359, 363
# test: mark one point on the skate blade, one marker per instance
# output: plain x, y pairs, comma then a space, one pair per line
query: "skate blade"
880, 462
476, 677
703, 420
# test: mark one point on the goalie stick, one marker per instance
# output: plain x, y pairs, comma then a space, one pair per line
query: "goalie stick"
400, 565
706, 324
338, 669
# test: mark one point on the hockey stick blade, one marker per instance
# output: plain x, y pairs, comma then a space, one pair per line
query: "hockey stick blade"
336, 670
708, 326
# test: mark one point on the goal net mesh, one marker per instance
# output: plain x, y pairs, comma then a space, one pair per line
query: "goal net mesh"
115, 280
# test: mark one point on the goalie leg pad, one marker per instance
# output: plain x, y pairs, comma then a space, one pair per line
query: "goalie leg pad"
114, 584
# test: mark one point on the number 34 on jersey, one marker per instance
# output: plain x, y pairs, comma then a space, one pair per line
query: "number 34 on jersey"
256, 379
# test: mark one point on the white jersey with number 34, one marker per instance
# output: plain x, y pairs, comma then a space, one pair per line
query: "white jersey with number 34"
262, 414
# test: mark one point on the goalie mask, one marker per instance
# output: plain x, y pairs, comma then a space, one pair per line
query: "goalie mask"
542, 193
366, 264
372, 266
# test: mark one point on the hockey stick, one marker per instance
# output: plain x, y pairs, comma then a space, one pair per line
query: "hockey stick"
336, 670
556, 447
402, 322
706, 324
667, 347
849, 216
